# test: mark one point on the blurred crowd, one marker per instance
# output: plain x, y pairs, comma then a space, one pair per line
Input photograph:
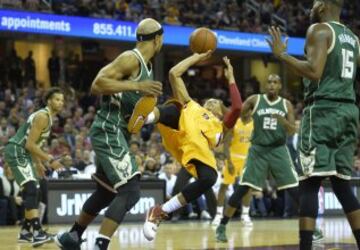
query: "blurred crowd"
245, 16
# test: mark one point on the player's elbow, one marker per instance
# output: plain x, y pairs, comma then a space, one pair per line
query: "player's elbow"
96, 87
174, 73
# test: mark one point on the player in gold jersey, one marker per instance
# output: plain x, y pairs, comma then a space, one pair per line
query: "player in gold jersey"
189, 133
236, 147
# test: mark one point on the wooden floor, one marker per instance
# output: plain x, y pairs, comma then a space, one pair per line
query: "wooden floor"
266, 234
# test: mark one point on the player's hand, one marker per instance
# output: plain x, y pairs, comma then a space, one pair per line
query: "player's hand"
231, 167
203, 56
18, 200
56, 164
66, 160
41, 169
229, 70
276, 44
153, 88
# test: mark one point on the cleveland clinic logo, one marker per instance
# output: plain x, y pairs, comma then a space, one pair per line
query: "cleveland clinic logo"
71, 204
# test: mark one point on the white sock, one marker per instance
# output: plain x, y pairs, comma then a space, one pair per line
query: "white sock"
220, 210
171, 205
245, 210
150, 118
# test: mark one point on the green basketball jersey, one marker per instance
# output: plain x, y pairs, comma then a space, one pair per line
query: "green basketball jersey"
267, 131
116, 109
22, 134
337, 81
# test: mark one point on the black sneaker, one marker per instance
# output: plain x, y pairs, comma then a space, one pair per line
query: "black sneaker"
68, 241
41, 237
25, 237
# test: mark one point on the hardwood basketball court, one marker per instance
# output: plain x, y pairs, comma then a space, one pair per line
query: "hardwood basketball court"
266, 234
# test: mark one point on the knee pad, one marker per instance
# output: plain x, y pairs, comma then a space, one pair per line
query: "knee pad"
127, 196
30, 195
99, 200
345, 194
236, 197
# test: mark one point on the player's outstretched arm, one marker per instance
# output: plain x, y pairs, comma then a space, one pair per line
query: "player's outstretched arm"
233, 114
289, 122
111, 78
318, 38
175, 76
247, 108
226, 149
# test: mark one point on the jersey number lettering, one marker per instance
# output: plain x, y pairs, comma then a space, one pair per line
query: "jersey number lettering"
270, 123
348, 64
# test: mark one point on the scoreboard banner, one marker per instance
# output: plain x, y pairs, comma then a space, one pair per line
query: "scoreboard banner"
108, 29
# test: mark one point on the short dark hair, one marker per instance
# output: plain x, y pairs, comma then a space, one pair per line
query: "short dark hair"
50, 93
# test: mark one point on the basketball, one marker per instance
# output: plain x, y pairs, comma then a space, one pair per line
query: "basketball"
203, 40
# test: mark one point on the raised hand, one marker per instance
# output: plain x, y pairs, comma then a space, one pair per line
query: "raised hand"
229, 71
276, 44
203, 56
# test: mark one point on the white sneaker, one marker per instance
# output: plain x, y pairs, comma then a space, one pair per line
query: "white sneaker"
205, 215
216, 221
192, 215
246, 221
153, 218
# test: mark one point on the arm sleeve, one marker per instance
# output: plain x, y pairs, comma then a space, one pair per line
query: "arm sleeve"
233, 114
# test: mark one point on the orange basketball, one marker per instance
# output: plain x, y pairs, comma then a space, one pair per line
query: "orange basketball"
202, 40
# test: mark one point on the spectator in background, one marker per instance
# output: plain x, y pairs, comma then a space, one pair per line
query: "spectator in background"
172, 16
151, 167
11, 203
30, 68
168, 175
54, 68
15, 69
69, 136
356, 172
5, 128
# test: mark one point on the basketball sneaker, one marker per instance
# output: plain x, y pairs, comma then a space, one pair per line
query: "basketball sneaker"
153, 218
317, 235
41, 237
68, 240
246, 220
25, 236
216, 221
221, 234
141, 110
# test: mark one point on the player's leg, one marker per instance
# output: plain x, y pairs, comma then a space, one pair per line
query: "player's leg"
220, 203
145, 112
349, 202
127, 196
98, 200
25, 175
245, 210
253, 176
344, 162
206, 178
309, 206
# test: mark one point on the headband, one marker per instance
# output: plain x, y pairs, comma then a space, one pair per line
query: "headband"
148, 37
